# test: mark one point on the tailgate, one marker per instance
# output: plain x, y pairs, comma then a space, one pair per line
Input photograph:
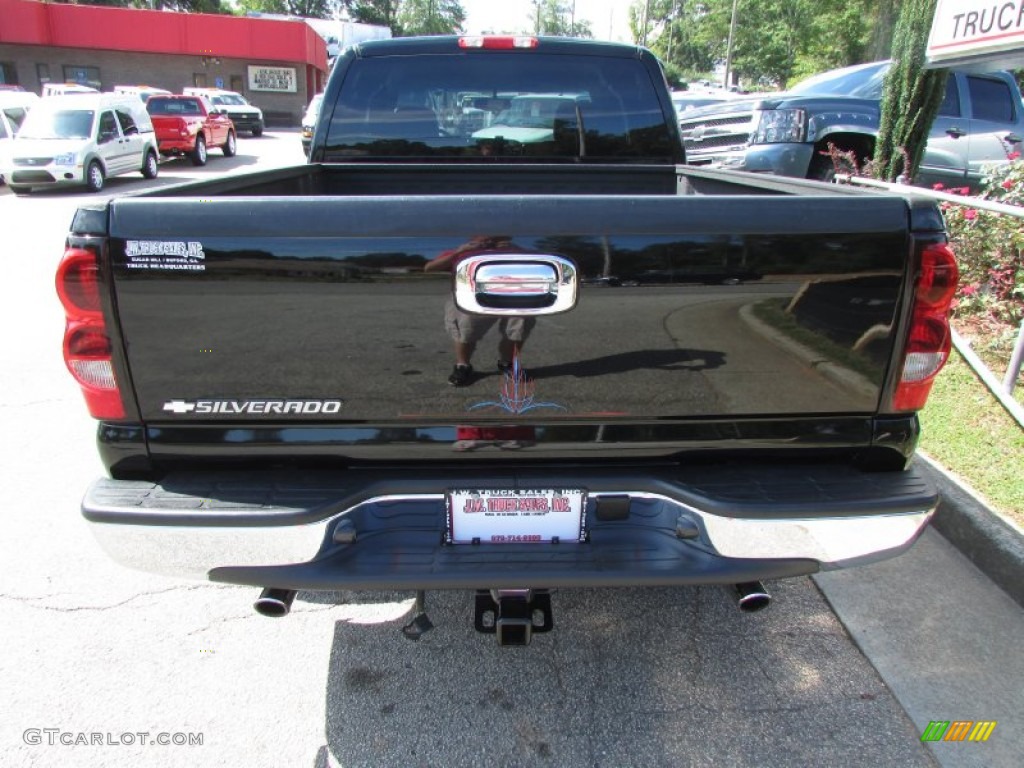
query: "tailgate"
321, 311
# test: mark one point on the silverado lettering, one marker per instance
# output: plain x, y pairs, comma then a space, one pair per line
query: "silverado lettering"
568, 359
253, 406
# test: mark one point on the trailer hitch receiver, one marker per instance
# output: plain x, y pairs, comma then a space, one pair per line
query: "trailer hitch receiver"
513, 615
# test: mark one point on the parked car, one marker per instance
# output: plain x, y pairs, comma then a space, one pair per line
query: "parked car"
82, 139
144, 92
189, 126
687, 100
14, 107
980, 122
309, 121
244, 115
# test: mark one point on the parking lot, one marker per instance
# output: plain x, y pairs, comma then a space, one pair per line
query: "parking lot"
101, 662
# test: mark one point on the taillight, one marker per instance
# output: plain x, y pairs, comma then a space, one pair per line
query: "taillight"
88, 352
929, 340
498, 42
78, 283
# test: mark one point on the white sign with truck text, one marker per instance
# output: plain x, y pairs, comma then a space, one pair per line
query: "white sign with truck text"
274, 79
967, 30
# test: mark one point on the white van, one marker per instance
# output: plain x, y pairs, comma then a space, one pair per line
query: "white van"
14, 107
65, 89
71, 140
143, 92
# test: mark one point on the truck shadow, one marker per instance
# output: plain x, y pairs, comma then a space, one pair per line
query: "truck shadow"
628, 677
641, 359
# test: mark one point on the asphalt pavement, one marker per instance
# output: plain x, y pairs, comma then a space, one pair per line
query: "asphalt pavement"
943, 624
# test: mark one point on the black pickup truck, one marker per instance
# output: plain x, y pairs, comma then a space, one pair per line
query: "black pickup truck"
487, 344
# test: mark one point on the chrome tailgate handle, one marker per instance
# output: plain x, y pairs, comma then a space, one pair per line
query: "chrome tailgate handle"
515, 284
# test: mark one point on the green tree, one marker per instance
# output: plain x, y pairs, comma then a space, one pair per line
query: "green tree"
557, 19
693, 35
308, 9
431, 17
380, 12
185, 6
775, 42
769, 38
911, 95
841, 33
681, 32
883, 20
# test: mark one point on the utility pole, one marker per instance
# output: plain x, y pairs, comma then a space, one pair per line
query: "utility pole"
672, 28
728, 51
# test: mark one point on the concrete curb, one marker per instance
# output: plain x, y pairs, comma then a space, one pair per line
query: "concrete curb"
995, 546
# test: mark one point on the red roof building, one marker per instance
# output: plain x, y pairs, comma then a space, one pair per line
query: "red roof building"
277, 64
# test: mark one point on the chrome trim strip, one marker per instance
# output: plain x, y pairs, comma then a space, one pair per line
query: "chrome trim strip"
192, 551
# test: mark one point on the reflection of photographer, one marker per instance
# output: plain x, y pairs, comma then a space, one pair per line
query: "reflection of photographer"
466, 329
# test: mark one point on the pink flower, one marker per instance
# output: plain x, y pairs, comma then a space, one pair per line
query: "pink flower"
1007, 185
969, 290
938, 185
970, 214
1013, 156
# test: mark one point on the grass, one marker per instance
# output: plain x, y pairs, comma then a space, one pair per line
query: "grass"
966, 430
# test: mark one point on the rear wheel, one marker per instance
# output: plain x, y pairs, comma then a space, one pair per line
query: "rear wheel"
199, 153
231, 145
150, 167
94, 177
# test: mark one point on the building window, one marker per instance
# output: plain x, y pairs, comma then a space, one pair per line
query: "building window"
83, 76
236, 83
8, 73
199, 79
43, 73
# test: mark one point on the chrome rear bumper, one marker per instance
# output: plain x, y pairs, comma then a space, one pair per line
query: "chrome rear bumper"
317, 532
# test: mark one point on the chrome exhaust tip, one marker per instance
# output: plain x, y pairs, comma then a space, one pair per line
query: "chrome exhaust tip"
274, 603
751, 596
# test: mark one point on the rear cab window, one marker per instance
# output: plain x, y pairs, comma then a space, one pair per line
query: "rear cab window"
501, 106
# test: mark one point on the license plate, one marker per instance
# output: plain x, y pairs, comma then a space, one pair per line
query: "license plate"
534, 516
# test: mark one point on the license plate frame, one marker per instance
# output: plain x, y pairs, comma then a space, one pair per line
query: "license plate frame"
515, 516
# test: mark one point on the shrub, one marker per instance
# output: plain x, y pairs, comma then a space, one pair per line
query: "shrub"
990, 299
